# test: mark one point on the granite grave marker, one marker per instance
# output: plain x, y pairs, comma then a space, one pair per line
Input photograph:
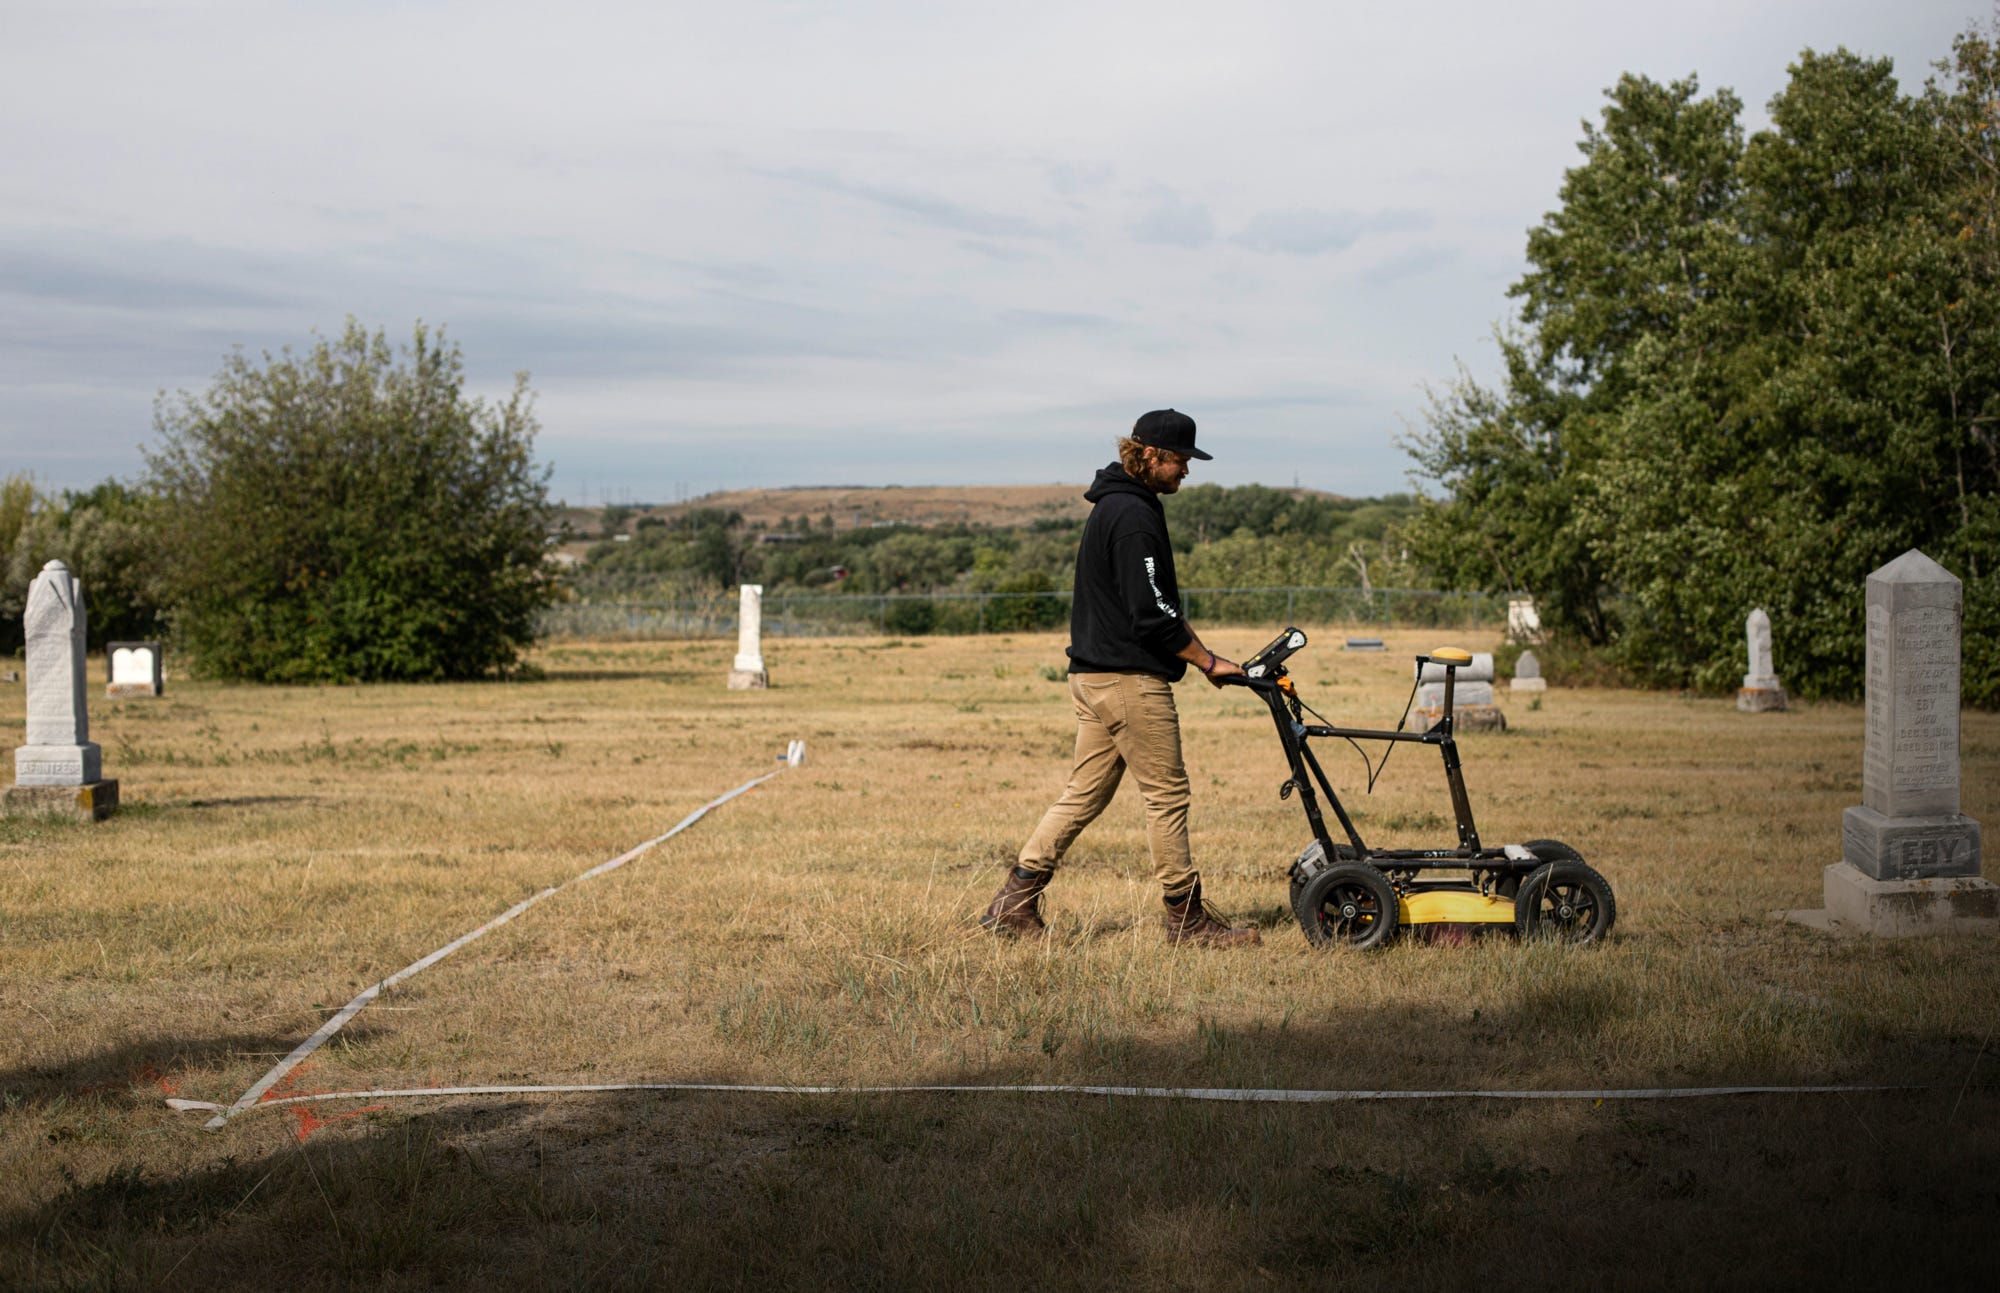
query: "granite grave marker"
60, 768
1761, 690
133, 669
748, 673
1909, 858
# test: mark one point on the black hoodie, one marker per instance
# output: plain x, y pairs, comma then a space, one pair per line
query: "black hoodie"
1126, 614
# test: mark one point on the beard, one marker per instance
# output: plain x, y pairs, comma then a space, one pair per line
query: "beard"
1161, 477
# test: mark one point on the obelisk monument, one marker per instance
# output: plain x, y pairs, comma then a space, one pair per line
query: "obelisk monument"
60, 769
1761, 689
748, 673
1909, 858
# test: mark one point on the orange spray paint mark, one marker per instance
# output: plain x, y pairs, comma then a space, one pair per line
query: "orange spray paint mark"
310, 1122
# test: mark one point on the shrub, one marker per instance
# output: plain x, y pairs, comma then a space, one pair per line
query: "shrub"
338, 516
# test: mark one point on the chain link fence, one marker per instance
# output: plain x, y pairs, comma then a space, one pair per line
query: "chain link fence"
917, 614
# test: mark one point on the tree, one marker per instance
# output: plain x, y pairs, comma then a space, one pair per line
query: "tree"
342, 516
1640, 241
1746, 373
105, 535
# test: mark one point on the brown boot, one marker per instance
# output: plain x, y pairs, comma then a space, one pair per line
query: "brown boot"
1188, 921
1017, 908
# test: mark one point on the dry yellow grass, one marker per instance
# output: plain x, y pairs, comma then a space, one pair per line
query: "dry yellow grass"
282, 848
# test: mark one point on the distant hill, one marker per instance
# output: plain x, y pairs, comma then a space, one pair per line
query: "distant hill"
852, 506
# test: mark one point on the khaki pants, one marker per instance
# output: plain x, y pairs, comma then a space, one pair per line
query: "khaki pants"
1122, 720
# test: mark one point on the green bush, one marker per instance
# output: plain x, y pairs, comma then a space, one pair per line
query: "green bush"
912, 616
339, 516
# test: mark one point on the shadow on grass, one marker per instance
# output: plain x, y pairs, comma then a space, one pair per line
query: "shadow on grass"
1005, 1190
140, 1072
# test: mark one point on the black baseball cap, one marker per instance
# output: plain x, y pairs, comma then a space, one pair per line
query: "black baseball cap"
1168, 429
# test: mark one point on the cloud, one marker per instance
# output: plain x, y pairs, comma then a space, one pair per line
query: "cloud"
1173, 221
712, 233
927, 208
1043, 320
1309, 233
1423, 258
1072, 178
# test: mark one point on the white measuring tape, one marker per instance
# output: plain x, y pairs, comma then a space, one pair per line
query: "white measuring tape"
794, 755
1228, 1095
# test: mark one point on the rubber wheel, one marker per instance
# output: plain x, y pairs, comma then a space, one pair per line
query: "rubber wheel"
1313, 852
1350, 904
1566, 902
1548, 851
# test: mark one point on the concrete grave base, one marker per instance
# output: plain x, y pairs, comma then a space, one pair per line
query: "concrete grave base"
93, 802
114, 691
1908, 848
1760, 700
65, 766
749, 679
1464, 718
1529, 684
1860, 904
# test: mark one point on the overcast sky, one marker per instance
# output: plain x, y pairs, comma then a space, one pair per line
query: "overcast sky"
875, 242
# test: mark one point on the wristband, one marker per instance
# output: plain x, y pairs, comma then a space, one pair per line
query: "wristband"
1208, 671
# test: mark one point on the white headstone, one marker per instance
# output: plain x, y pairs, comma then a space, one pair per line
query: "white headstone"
59, 751
749, 673
1909, 858
1911, 764
132, 664
134, 668
1757, 629
1528, 674
1761, 689
1480, 670
1524, 624
1431, 695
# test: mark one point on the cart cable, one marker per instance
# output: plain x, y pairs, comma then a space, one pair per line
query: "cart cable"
1226, 1095
1374, 769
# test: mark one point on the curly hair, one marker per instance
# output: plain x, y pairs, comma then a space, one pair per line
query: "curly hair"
1132, 456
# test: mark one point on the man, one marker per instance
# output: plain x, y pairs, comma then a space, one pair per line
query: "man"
1128, 645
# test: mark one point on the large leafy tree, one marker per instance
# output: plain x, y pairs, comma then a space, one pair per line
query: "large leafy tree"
1749, 372
105, 535
343, 515
1638, 244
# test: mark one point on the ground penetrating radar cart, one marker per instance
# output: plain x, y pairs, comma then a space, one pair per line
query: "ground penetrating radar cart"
1348, 894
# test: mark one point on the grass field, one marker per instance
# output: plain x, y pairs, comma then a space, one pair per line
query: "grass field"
282, 848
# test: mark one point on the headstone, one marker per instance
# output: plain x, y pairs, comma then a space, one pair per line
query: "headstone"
1365, 644
1472, 707
1528, 674
748, 673
60, 768
133, 669
1523, 623
1909, 859
1761, 690
1430, 695
1480, 670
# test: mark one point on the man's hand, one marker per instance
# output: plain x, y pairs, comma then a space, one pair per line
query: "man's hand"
1222, 669
1212, 666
